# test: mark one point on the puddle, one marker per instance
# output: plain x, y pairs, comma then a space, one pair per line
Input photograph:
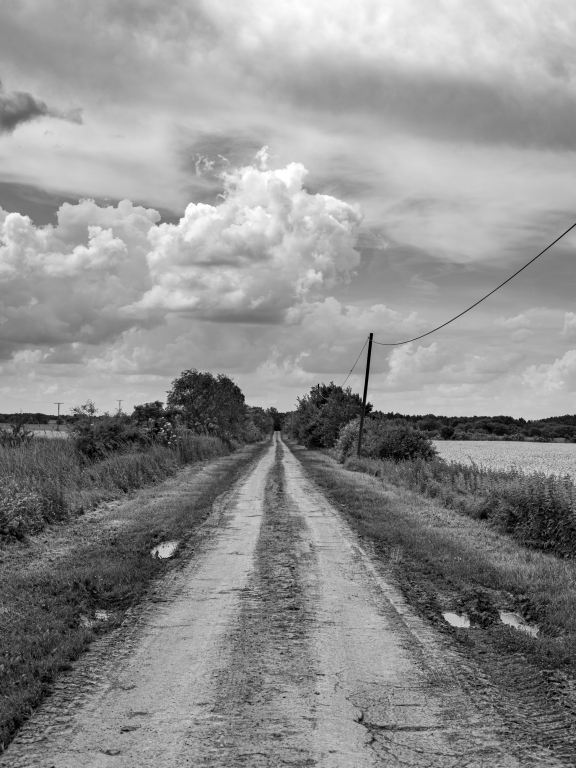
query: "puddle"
457, 620
516, 621
164, 550
98, 617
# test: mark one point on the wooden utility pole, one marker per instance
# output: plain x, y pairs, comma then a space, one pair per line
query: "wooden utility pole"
365, 393
58, 421
120, 406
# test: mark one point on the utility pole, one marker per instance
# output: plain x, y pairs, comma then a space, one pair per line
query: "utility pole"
58, 421
120, 406
365, 392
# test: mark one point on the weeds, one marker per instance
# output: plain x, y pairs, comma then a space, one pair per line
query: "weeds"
42, 481
538, 510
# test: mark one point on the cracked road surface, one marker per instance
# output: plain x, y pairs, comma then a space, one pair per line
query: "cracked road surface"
279, 643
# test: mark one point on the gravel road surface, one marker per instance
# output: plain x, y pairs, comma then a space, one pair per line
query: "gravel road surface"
279, 643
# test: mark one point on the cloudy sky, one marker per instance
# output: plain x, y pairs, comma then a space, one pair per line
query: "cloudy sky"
251, 188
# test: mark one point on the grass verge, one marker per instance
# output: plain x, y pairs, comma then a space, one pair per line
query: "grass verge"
536, 509
444, 561
46, 480
44, 603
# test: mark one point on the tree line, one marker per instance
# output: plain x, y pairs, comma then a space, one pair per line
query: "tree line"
328, 417
198, 403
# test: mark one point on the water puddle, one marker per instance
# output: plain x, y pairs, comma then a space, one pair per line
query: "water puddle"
164, 550
516, 621
99, 616
457, 620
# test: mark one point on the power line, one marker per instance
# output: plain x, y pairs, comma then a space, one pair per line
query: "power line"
354, 366
399, 343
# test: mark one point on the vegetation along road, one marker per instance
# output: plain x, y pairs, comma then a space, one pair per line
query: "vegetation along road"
282, 640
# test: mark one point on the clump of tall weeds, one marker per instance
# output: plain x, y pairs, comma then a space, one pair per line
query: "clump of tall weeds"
46, 480
538, 510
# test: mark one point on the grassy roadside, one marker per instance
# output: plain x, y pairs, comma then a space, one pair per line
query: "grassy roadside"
535, 508
46, 480
444, 561
44, 603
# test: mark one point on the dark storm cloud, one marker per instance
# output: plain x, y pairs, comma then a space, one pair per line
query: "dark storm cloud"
20, 107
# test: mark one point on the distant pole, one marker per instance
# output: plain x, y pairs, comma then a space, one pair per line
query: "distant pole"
58, 422
120, 406
365, 392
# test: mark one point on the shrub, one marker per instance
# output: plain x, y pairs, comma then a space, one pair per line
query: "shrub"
385, 439
17, 434
323, 413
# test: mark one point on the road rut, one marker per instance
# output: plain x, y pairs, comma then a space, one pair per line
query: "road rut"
279, 643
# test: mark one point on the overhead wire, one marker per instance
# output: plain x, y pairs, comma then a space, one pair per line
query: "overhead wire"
354, 366
428, 333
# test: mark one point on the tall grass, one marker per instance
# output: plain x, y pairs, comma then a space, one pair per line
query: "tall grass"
48, 480
536, 509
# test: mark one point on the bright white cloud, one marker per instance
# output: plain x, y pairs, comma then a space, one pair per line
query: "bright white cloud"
266, 248
553, 377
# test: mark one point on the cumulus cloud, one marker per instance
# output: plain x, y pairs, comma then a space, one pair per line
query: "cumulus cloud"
569, 329
266, 250
553, 377
513, 323
20, 107
67, 283
409, 364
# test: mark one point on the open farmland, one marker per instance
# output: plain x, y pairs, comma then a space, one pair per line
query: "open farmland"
550, 458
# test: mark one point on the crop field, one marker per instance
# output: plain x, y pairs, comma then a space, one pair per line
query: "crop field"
550, 458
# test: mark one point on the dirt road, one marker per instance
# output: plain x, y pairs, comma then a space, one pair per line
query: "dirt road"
278, 644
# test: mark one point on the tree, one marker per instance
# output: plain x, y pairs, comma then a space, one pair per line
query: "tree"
143, 413
323, 412
277, 417
209, 404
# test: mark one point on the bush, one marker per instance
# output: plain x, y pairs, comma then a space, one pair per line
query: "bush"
385, 439
323, 413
